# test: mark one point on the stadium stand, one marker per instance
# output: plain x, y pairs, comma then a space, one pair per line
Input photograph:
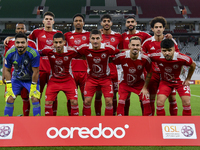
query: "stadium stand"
65, 9
154, 8
18, 8
97, 3
192, 5
123, 3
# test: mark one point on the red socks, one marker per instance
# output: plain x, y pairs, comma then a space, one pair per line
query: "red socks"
97, 106
26, 107
160, 111
187, 111
48, 110
173, 109
126, 107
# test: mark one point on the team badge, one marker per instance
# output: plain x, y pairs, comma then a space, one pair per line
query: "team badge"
139, 67
168, 69
103, 55
49, 42
59, 61
84, 38
65, 58
112, 39
132, 70
175, 66
97, 60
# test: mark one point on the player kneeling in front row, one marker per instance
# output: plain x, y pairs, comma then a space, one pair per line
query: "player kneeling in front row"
61, 79
26, 62
133, 63
172, 63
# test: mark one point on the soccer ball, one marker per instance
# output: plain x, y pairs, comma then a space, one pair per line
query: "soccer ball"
187, 131
4, 131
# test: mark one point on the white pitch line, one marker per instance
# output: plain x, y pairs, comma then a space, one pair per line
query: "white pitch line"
195, 95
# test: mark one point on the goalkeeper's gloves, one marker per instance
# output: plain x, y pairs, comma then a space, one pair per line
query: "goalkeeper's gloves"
33, 91
9, 91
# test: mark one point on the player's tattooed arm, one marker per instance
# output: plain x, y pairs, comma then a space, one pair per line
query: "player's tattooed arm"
190, 73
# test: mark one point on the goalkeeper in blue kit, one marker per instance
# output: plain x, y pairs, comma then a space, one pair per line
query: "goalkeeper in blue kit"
26, 61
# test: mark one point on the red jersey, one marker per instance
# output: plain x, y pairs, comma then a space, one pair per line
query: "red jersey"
171, 69
133, 69
44, 40
97, 60
76, 39
113, 39
152, 46
11, 44
60, 62
126, 36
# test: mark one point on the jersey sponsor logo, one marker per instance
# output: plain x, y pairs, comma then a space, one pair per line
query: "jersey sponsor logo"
112, 39
169, 77
85, 132
152, 48
139, 67
77, 41
49, 42
97, 68
126, 38
53, 56
97, 60
58, 61
58, 70
131, 79
71, 37
175, 66
132, 70
65, 58
6, 131
44, 36
25, 62
126, 65
168, 69
103, 55
84, 38
89, 55
161, 64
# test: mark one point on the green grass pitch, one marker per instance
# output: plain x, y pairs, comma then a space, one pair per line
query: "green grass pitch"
134, 111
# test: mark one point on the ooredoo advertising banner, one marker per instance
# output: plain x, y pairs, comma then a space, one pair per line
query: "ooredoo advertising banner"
100, 131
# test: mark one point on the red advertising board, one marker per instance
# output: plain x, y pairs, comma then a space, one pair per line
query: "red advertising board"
100, 131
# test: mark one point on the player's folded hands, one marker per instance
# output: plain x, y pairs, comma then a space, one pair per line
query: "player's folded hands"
9, 91
34, 92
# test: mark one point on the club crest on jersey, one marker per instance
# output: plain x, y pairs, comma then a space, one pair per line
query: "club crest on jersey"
103, 55
175, 66
65, 58
59, 61
132, 70
112, 39
84, 38
49, 42
139, 67
25, 62
97, 60
77, 41
168, 69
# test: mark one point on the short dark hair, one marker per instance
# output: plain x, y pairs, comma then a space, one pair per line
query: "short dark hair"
167, 43
59, 35
21, 35
21, 23
95, 31
106, 16
135, 38
49, 13
130, 17
159, 19
79, 15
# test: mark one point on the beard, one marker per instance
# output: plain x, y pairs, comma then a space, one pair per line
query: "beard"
131, 29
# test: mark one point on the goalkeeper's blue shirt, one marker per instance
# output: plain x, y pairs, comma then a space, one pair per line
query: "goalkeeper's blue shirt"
22, 63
